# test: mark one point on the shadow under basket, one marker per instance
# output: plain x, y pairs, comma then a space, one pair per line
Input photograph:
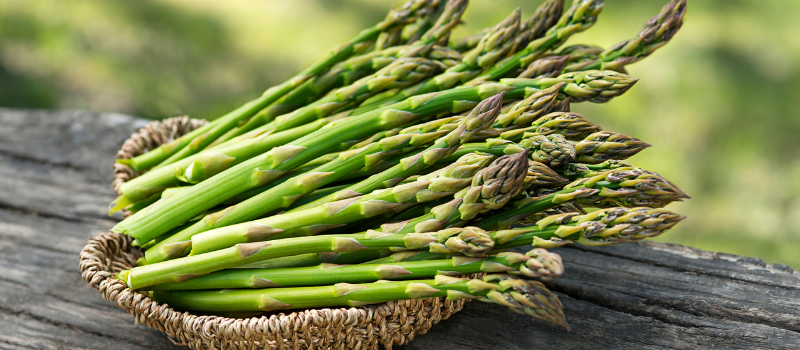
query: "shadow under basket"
365, 327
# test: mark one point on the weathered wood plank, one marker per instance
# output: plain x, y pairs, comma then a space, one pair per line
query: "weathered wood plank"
55, 187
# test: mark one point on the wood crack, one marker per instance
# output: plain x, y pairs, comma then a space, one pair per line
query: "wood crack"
699, 272
32, 159
59, 324
32, 211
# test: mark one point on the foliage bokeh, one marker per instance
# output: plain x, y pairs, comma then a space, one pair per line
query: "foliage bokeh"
718, 103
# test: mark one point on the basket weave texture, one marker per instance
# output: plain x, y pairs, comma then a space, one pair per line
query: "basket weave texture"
366, 327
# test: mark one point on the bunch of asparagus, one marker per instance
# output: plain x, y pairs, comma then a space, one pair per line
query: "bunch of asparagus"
399, 165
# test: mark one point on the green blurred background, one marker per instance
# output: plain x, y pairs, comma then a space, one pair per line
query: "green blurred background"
718, 103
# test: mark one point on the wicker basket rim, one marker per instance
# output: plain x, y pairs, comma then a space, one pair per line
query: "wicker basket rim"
365, 327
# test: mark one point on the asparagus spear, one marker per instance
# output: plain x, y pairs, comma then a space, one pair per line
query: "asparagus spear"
198, 138
574, 171
538, 263
262, 169
553, 150
330, 215
466, 241
601, 227
571, 125
621, 186
525, 297
539, 175
656, 33
605, 145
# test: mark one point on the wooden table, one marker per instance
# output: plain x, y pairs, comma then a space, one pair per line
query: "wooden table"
55, 175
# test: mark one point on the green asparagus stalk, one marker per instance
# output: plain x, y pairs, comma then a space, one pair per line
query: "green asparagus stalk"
198, 138
571, 125
284, 194
465, 241
537, 175
574, 171
314, 220
553, 150
523, 296
656, 33
534, 27
621, 186
262, 169
568, 207
342, 74
605, 145
314, 259
538, 263
602, 227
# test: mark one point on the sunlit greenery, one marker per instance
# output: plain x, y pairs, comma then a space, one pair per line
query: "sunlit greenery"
718, 103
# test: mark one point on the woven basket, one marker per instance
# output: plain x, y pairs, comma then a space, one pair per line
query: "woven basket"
366, 327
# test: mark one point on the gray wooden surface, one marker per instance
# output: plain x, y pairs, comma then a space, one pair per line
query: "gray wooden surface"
55, 187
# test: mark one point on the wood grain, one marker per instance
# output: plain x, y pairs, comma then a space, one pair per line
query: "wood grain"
55, 177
